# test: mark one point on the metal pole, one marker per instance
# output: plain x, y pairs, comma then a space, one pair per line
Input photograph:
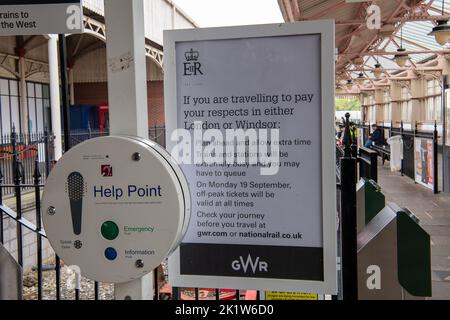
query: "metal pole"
127, 95
37, 195
18, 194
348, 220
444, 132
46, 153
435, 160
65, 91
55, 98
1, 203
402, 171
66, 121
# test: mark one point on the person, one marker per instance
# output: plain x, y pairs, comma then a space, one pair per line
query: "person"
340, 136
375, 138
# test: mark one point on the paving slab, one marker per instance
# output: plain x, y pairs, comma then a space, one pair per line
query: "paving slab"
434, 214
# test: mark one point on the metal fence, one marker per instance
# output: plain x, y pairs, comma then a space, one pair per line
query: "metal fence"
155, 133
346, 177
19, 154
409, 137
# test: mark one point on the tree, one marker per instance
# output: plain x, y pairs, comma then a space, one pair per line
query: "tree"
348, 105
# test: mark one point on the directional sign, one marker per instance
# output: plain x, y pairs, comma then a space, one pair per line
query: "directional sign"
28, 17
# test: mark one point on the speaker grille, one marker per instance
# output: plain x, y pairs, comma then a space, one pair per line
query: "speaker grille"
75, 184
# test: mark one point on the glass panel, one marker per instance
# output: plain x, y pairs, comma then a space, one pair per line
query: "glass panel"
430, 87
4, 90
39, 116
38, 88
6, 126
47, 115
32, 115
438, 89
30, 90
409, 115
404, 111
438, 109
14, 87
387, 112
429, 109
45, 91
15, 115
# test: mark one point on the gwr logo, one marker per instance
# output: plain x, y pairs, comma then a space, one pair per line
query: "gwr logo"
257, 265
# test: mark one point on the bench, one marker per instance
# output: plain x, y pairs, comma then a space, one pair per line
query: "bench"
383, 151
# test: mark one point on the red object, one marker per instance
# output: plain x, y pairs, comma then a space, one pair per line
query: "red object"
103, 116
107, 170
204, 294
251, 295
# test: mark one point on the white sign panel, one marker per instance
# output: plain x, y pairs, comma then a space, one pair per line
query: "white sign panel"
30, 17
266, 223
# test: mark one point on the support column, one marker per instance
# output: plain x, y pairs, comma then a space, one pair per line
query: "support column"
379, 106
174, 15
71, 86
127, 91
55, 100
127, 78
23, 94
418, 112
396, 112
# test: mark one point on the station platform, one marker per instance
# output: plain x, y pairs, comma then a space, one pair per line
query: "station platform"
434, 214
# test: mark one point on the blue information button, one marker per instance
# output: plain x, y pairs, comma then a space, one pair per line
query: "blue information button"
111, 254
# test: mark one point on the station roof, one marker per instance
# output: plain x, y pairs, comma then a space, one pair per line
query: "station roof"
404, 23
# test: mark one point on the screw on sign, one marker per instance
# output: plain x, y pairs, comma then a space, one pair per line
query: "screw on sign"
51, 211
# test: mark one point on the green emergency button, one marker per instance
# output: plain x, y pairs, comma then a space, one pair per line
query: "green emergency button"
110, 230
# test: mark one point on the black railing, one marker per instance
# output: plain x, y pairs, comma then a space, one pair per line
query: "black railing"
19, 152
339, 156
409, 137
346, 173
368, 164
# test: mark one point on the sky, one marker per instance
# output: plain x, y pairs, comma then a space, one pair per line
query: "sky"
217, 13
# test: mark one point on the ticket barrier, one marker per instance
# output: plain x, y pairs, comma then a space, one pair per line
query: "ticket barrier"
10, 277
369, 202
394, 255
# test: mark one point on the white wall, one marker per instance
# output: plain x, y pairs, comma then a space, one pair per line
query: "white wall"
92, 68
159, 16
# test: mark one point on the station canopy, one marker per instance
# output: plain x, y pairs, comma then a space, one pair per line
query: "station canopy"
405, 24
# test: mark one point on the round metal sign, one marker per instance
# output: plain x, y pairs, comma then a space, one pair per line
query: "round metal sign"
116, 207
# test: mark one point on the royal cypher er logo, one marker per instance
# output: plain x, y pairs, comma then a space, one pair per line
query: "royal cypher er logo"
192, 66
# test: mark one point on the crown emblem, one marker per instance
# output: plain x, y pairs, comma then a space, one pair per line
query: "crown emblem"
192, 55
